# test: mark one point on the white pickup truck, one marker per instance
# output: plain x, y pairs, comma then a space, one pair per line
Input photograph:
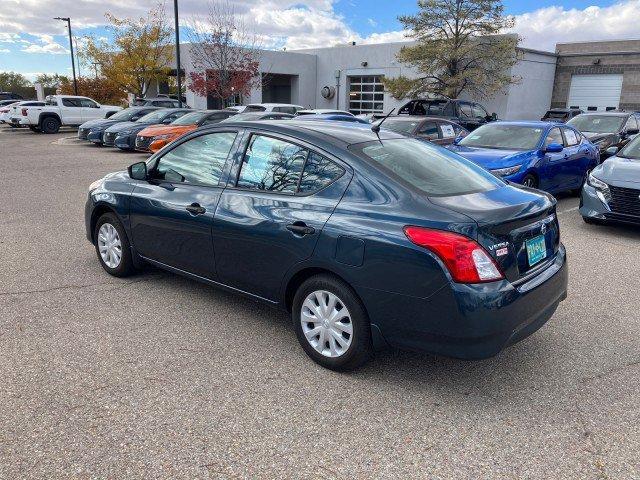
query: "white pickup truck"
67, 110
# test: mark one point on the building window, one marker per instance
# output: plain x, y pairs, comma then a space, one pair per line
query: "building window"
366, 94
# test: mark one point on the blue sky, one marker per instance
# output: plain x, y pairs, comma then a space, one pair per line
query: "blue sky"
32, 43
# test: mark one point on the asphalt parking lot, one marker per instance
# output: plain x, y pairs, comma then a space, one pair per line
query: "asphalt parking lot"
156, 376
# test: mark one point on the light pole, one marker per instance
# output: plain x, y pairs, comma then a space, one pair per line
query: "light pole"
73, 64
178, 80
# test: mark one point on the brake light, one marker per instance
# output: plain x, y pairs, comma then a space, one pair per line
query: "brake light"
24, 112
465, 258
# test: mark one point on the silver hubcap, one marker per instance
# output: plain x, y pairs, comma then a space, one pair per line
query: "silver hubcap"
109, 245
326, 323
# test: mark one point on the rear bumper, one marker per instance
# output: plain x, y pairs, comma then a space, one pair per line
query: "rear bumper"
470, 321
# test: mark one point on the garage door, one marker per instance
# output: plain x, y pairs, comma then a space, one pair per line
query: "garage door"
595, 92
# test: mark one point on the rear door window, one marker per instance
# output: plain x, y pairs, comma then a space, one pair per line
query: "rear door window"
318, 172
428, 130
271, 164
71, 102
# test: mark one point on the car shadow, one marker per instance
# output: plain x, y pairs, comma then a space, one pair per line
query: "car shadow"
520, 367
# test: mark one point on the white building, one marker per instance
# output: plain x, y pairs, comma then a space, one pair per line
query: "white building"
354, 73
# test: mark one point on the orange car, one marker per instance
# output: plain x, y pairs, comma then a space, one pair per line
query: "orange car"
154, 137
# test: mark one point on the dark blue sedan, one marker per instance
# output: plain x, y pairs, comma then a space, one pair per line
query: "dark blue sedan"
368, 239
537, 154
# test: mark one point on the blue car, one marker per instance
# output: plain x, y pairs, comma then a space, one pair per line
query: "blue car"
548, 156
368, 239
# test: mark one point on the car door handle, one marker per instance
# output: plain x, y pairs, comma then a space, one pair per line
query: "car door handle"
196, 209
301, 228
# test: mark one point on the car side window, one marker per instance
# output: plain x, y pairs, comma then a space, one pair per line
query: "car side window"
318, 172
272, 165
479, 112
571, 137
85, 102
172, 117
199, 160
429, 130
448, 130
419, 108
631, 124
465, 110
554, 136
71, 102
290, 110
213, 119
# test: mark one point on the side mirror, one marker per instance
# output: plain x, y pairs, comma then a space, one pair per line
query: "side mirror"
457, 140
494, 116
553, 148
632, 131
138, 171
167, 121
612, 150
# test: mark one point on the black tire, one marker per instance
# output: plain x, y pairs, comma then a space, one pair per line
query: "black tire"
361, 348
126, 266
50, 125
530, 181
34, 128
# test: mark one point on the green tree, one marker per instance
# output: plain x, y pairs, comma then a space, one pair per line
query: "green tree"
459, 48
11, 81
141, 51
51, 80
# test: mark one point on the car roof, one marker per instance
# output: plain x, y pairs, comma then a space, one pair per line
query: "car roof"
336, 133
524, 123
413, 118
273, 105
610, 113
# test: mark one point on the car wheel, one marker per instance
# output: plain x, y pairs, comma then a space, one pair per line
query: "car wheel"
34, 128
50, 125
530, 181
112, 246
331, 324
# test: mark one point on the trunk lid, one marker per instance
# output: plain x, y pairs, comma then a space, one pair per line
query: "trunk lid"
509, 220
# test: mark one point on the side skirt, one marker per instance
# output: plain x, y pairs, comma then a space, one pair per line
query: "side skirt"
203, 279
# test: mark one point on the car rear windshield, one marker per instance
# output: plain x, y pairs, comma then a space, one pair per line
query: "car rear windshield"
403, 127
190, 118
631, 150
501, 136
255, 108
426, 167
598, 123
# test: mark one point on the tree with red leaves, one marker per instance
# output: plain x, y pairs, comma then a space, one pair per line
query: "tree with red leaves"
225, 56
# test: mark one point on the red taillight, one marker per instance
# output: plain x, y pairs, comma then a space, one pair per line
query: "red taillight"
24, 112
465, 258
